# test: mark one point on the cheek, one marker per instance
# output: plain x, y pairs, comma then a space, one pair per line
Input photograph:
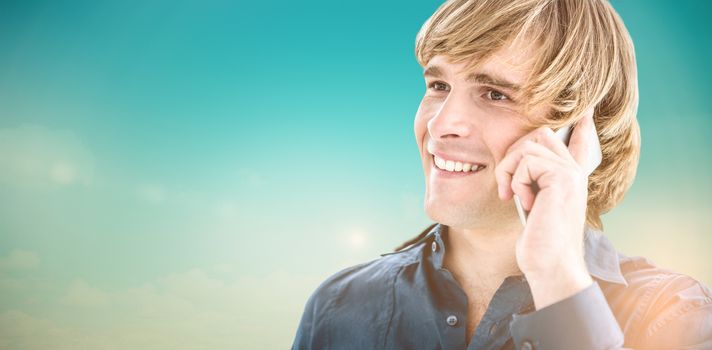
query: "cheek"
498, 150
505, 138
420, 124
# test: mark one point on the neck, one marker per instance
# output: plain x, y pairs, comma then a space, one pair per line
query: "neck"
483, 255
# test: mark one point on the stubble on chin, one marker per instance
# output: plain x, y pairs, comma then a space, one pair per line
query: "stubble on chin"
486, 212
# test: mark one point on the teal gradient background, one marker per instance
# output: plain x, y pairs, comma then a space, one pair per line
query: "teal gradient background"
183, 174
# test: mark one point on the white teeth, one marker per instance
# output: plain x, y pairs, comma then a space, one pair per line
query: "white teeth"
450, 165
440, 163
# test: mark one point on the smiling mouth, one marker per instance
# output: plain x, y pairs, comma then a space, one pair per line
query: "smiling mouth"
456, 167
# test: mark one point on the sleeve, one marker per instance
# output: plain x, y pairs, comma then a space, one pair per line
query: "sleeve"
582, 321
679, 318
318, 317
305, 337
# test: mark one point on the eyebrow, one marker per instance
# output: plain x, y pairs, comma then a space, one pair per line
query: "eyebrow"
482, 78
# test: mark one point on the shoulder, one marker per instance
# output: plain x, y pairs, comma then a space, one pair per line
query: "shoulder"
654, 284
358, 299
355, 285
660, 308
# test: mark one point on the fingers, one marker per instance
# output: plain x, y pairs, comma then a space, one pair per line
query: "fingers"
545, 136
527, 162
522, 183
541, 152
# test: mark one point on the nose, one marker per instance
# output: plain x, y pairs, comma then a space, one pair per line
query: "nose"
451, 121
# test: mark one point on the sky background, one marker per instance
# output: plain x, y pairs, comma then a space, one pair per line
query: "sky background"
183, 174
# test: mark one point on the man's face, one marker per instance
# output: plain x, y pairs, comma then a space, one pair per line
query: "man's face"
471, 121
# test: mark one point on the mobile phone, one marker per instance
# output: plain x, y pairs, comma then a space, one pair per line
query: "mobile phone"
564, 134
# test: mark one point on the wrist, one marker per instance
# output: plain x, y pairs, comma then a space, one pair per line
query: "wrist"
549, 287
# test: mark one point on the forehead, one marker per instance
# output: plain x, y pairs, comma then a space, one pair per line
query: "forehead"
513, 62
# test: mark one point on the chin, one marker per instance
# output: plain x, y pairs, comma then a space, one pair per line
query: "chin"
453, 215
480, 213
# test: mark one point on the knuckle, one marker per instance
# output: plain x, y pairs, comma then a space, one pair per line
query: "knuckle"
542, 131
527, 158
521, 172
528, 144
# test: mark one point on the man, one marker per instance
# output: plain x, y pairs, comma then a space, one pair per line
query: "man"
500, 75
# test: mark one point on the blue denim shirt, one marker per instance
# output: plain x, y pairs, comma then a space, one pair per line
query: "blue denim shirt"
407, 300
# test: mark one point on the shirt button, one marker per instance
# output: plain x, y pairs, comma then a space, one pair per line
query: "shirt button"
434, 246
452, 320
527, 345
493, 329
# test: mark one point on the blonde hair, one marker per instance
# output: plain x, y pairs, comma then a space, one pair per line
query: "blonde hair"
583, 57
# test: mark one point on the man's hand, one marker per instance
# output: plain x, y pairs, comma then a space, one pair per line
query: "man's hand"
552, 182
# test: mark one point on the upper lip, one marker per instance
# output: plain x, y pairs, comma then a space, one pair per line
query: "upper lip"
454, 158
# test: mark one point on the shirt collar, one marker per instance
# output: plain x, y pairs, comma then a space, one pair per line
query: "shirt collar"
601, 257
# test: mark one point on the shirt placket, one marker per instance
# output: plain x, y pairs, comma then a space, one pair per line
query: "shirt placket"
512, 296
450, 301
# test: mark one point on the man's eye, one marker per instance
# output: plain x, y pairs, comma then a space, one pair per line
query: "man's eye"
438, 86
495, 95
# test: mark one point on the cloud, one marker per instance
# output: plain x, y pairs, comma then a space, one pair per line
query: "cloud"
81, 294
19, 260
214, 307
251, 177
35, 156
63, 173
226, 210
19, 330
151, 193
